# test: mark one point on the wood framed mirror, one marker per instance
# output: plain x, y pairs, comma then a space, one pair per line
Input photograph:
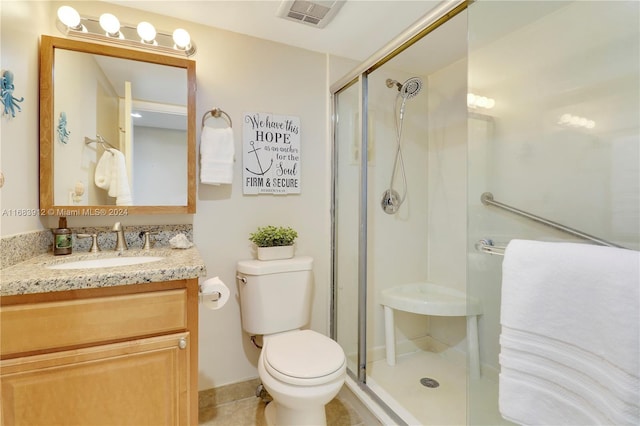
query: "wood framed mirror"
117, 130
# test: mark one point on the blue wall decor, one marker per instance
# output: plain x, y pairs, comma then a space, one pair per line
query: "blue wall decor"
63, 133
6, 94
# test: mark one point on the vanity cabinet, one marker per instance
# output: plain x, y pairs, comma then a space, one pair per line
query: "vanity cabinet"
124, 355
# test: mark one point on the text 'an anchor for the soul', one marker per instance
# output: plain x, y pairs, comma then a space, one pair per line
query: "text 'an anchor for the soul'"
271, 154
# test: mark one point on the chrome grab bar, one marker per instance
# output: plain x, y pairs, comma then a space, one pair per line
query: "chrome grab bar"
487, 199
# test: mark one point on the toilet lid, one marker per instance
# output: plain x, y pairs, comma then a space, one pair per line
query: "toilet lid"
304, 354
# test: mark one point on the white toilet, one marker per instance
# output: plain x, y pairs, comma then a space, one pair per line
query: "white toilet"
302, 370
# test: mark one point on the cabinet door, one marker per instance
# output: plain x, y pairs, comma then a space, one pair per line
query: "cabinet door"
64, 324
142, 382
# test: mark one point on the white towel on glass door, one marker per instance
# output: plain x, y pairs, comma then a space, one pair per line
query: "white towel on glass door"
569, 345
216, 156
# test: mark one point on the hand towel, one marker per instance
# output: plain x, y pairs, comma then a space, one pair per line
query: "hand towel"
216, 156
569, 342
119, 187
102, 177
111, 175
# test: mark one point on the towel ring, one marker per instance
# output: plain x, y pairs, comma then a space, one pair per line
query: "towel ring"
217, 113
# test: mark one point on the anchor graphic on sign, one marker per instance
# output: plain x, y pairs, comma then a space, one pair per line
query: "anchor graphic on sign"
255, 151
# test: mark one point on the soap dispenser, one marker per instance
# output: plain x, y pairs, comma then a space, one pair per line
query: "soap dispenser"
62, 242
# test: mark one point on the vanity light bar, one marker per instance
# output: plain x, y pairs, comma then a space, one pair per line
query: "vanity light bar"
179, 43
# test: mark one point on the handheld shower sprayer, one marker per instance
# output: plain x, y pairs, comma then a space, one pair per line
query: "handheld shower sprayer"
408, 89
391, 199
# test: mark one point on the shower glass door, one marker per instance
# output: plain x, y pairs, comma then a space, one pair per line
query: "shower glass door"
396, 233
400, 220
561, 140
346, 224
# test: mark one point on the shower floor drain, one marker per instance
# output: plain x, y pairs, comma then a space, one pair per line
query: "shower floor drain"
428, 382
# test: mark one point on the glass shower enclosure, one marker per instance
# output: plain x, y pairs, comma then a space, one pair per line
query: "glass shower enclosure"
535, 104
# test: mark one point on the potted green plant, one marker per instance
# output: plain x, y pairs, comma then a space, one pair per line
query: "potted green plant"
274, 242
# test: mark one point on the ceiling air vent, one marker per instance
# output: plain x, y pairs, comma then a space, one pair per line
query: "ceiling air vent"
316, 13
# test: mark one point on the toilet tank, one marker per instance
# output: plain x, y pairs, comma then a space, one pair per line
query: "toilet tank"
275, 295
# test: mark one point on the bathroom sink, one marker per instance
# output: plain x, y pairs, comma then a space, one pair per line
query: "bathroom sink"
106, 262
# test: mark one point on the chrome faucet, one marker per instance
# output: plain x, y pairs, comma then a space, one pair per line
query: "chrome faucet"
121, 241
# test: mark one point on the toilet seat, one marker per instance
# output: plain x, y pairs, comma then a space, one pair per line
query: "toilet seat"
304, 357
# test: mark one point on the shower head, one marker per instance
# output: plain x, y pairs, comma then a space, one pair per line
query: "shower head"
409, 88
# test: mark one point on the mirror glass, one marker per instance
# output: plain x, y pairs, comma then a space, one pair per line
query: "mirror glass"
117, 130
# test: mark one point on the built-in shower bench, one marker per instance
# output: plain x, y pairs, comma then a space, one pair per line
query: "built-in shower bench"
432, 299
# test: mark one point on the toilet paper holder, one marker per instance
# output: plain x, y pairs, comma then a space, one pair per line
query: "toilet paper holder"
217, 295
213, 293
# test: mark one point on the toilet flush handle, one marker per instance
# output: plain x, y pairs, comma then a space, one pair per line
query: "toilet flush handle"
243, 280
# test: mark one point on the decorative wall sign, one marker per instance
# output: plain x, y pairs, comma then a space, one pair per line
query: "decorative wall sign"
271, 154
63, 133
9, 101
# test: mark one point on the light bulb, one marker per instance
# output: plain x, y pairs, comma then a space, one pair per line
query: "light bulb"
471, 100
110, 24
69, 16
181, 38
147, 32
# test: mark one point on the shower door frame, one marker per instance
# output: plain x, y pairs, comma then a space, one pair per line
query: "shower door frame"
440, 14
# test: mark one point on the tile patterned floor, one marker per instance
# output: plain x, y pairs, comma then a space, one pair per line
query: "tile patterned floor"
237, 405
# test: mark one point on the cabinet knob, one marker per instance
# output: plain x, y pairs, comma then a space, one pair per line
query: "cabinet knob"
182, 343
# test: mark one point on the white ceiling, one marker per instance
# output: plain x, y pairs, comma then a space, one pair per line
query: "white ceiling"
360, 28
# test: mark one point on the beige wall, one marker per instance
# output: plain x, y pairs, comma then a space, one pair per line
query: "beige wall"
238, 74
21, 25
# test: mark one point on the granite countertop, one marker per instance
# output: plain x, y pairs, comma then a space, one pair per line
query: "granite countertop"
33, 276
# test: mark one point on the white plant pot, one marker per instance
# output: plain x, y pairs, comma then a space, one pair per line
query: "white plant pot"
275, 253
